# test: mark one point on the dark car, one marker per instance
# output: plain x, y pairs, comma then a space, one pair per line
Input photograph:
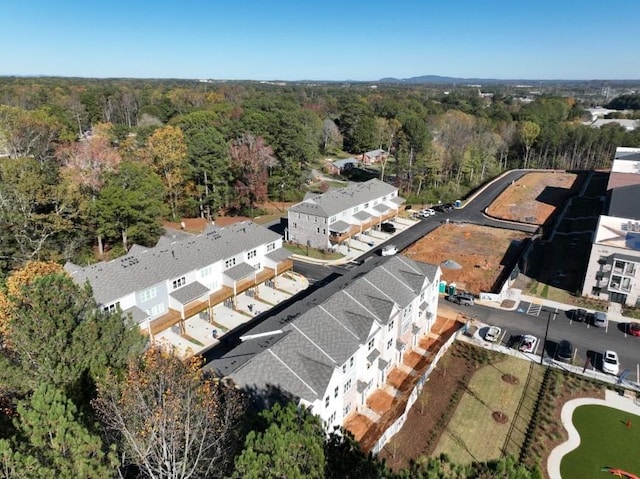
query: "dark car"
387, 228
579, 315
564, 351
463, 299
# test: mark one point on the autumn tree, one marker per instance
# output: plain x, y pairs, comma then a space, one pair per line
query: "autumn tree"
51, 443
85, 164
528, 131
290, 445
36, 214
130, 204
250, 162
171, 419
28, 133
167, 152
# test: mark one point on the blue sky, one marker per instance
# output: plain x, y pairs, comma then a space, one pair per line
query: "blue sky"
321, 40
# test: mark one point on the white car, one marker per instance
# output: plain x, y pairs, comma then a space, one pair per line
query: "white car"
493, 333
610, 363
389, 250
428, 212
528, 343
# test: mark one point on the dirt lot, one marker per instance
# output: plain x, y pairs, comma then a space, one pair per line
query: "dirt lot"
534, 197
482, 252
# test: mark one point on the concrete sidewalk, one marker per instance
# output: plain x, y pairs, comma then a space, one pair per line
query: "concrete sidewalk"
626, 403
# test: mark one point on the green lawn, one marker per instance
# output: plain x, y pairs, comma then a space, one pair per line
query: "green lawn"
472, 434
605, 440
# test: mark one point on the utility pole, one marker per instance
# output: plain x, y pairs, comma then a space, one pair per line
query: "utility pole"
546, 331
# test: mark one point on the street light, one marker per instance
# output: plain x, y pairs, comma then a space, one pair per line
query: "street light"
546, 331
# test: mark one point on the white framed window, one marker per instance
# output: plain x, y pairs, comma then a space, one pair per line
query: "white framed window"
178, 283
156, 309
229, 263
326, 401
112, 307
347, 408
391, 325
206, 271
347, 386
336, 391
148, 294
389, 343
371, 344
252, 254
351, 362
271, 247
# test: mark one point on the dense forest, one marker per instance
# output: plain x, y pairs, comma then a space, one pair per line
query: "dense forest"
90, 166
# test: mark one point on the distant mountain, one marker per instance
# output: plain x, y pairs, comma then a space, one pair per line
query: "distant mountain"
442, 80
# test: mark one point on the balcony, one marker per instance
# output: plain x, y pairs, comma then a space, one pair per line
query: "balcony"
340, 238
165, 321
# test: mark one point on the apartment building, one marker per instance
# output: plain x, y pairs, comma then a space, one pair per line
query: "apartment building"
163, 286
612, 271
324, 220
335, 354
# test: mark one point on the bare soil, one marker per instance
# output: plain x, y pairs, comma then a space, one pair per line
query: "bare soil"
534, 197
483, 253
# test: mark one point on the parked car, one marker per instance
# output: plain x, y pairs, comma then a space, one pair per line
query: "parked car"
387, 228
389, 250
579, 314
463, 299
428, 212
492, 334
610, 363
528, 343
634, 329
599, 319
564, 351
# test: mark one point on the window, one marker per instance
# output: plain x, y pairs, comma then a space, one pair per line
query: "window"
271, 247
229, 263
371, 344
615, 282
177, 283
347, 408
251, 254
326, 401
318, 230
157, 309
356, 209
366, 205
204, 272
112, 307
332, 219
148, 294
389, 343
347, 386
351, 362
595, 291
295, 225
332, 418
335, 392
391, 325
344, 369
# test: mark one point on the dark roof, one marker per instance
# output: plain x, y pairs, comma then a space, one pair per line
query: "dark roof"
624, 202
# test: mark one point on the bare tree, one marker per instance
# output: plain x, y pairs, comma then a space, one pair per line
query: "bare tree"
172, 421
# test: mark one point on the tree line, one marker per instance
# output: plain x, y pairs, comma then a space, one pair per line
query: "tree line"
82, 395
90, 165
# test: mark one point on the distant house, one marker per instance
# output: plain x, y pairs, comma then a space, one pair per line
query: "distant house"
614, 263
336, 354
163, 286
334, 217
374, 156
340, 166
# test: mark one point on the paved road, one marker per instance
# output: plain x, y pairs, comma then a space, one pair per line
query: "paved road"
590, 342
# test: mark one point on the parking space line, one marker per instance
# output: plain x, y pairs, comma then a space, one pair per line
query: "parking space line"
534, 309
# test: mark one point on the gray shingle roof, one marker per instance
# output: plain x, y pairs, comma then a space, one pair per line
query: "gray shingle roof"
190, 292
136, 314
240, 271
279, 254
143, 269
382, 208
335, 201
362, 216
323, 338
339, 226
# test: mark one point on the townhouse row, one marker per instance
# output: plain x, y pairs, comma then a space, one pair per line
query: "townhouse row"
334, 355
163, 286
325, 220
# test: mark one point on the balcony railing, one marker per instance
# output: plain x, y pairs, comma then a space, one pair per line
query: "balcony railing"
334, 238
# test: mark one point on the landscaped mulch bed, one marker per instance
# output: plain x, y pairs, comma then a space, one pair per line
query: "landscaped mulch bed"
433, 409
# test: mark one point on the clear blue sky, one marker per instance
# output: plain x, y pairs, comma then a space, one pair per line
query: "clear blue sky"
321, 40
